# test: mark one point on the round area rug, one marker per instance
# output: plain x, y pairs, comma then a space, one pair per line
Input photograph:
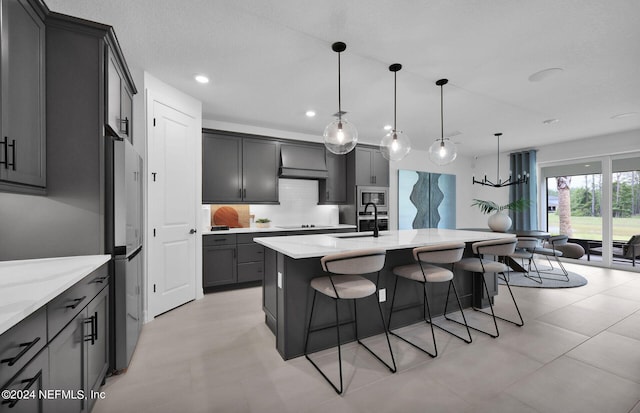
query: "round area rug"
550, 279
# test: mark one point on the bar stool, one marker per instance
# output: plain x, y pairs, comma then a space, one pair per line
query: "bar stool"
525, 249
424, 273
345, 282
478, 264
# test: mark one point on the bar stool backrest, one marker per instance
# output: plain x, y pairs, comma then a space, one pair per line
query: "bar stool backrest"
528, 243
354, 262
499, 247
440, 254
558, 240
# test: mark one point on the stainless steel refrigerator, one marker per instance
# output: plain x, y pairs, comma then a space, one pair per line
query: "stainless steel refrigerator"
126, 284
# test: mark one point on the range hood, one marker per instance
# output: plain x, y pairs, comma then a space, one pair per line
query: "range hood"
302, 162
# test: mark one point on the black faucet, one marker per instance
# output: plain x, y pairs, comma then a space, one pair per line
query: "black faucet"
375, 217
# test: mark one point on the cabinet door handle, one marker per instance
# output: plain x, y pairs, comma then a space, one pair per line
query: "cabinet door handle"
240, 193
327, 198
27, 347
124, 122
30, 382
76, 302
92, 336
13, 155
7, 145
5, 159
244, 193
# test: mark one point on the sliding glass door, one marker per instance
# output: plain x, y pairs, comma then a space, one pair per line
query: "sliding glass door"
596, 202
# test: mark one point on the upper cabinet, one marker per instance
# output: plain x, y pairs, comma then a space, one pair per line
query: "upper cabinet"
371, 167
237, 169
119, 100
22, 143
333, 190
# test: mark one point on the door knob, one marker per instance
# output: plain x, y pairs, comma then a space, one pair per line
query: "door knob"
193, 231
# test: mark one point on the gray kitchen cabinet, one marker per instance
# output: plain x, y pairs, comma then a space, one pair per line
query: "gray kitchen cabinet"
79, 353
333, 190
219, 265
260, 170
371, 167
219, 260
22, 142
119, 100
236, 169
33, 378
221, 168
61, 346
67, 364
96, 339
250, 261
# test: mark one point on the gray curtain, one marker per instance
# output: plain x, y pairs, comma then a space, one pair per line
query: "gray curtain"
521, 163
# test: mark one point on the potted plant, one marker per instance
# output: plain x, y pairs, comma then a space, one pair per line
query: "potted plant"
500, 221
262, 222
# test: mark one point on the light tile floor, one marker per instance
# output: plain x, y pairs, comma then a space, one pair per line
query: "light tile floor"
579, 351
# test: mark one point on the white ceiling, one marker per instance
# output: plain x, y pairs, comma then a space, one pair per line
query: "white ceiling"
270, 61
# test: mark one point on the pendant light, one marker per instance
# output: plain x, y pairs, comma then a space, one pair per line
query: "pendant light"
395, 145
340, 136
521, 179
442, 151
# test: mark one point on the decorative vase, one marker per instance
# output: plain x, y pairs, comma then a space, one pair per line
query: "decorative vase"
267, 224
499, 222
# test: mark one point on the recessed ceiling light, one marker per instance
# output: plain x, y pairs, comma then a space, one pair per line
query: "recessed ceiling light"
310, 113
587, 165
388, 127
201, 79
550, 121
544, 74
624, 115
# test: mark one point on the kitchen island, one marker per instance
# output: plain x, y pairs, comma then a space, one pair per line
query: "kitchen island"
291, 262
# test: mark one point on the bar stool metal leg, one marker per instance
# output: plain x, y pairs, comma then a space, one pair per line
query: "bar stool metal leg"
455, 291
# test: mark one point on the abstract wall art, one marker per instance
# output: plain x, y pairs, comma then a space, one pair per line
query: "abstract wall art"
426, 200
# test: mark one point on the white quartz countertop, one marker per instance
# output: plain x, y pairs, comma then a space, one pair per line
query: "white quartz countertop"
275, 228
27, 285
308, 246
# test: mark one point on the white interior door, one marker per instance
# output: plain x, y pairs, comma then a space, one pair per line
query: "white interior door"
172, 217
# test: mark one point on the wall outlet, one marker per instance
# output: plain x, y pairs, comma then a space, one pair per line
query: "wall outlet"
382, 295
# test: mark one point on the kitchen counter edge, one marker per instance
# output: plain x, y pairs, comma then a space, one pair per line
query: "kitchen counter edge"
28, 285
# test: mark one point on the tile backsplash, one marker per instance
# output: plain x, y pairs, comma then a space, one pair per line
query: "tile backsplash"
298, 205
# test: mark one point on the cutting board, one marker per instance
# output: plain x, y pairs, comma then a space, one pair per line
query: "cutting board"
234, 216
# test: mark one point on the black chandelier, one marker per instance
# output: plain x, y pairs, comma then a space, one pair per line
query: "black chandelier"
521, 179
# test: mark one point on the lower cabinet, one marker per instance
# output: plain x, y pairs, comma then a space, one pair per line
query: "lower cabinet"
79, 356
96, 340
230, 258
61, 349
67, 364
33, 378
219, 265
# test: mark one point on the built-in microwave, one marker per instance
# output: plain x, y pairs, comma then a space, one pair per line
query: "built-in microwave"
378, 195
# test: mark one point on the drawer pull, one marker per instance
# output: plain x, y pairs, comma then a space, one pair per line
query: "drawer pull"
27, 347
219, 240
30, 382
99, 280
76, 302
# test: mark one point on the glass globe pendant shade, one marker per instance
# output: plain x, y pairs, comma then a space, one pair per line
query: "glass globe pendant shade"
340, 136
442, 152
395, 145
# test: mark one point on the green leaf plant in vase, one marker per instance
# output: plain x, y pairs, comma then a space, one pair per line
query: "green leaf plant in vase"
263, 222
499, 221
